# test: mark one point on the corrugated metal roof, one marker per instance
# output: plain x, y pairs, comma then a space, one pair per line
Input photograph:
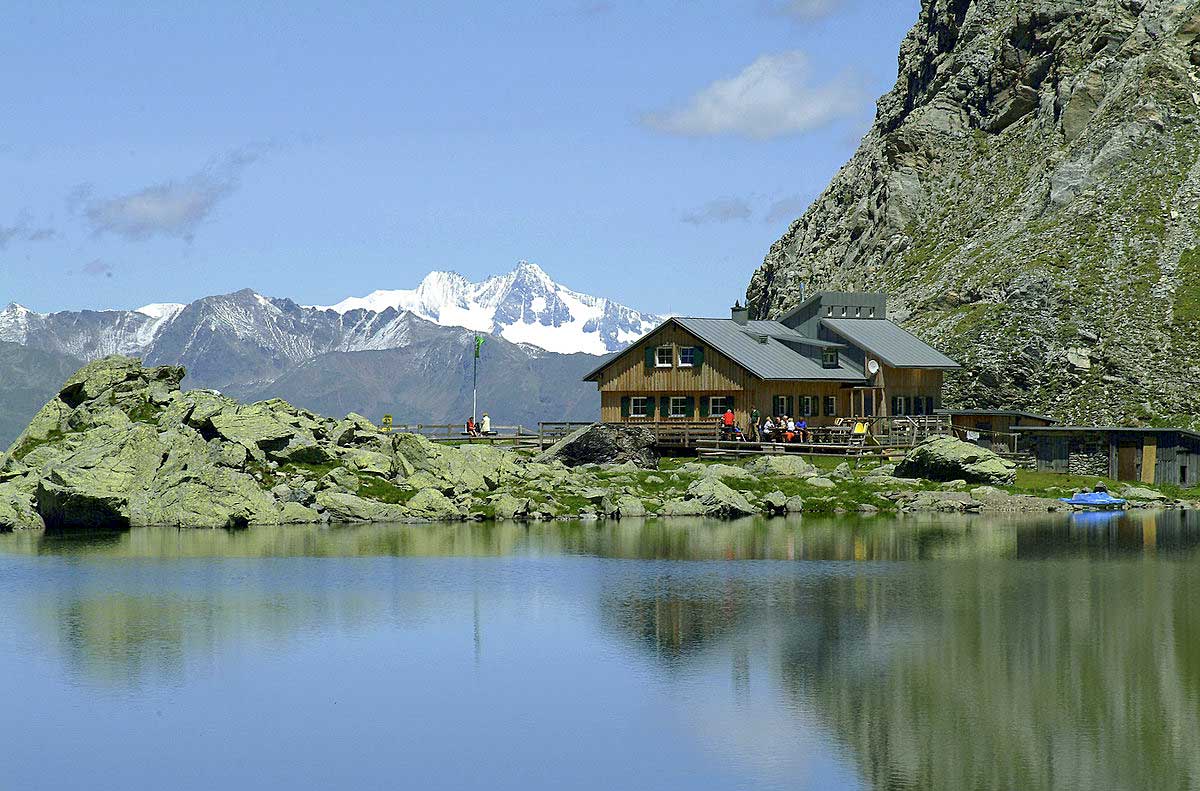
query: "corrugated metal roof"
1103, 429
768, 359
891, 344
996, 412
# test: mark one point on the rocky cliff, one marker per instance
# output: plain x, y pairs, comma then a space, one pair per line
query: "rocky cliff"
1029, 195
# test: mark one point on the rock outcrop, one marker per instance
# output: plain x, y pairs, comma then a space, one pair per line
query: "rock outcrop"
602, 443
951, 459
1029, 197
121, 444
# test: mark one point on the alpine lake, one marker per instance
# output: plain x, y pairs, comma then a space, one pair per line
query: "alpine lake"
931, 652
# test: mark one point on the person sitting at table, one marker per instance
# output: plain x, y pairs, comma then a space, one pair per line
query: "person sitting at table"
789, 430
768, 429
802, 429
471, 430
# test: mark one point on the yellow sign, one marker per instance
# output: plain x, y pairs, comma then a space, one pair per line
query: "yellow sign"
387, 424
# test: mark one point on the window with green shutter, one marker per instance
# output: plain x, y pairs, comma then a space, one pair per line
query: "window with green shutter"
650, 360
689, 407
664, 406
649, 406
624, 406
830, 406
697, 356
705, 408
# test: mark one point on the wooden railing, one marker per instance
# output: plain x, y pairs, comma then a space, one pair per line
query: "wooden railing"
1002, 442
901, 430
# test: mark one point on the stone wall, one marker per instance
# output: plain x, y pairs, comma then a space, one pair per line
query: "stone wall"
1088, 455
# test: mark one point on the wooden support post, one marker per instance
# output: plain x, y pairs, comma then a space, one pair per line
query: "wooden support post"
1149, 458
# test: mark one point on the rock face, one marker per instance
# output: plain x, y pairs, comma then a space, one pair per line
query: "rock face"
950, 459
1029, 196
604, 444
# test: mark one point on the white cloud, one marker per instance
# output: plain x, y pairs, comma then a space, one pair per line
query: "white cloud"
172, 208
808, 10
717, 211
771, 97
787, 209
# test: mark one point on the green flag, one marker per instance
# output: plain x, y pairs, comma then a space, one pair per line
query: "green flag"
478, 345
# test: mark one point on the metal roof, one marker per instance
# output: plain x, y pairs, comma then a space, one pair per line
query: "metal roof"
772, 357
891, 344
1105, 429
1003, 412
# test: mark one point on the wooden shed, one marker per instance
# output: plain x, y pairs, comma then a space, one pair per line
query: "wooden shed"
1162, 456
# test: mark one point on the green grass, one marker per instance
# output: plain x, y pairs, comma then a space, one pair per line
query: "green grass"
32, 443
371, 487
145, 412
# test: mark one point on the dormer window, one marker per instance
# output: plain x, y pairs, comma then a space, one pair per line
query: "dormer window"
829, 310
870, 313
858, 313
829, 358
664, 357
843, 311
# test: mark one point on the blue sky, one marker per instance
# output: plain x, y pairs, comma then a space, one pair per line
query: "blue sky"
650, 152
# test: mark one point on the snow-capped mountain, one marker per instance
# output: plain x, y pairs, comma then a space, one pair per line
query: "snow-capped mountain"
523, 306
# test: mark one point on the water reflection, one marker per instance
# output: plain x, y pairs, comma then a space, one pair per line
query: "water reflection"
932, 652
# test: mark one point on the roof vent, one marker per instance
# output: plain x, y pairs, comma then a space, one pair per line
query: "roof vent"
739, 313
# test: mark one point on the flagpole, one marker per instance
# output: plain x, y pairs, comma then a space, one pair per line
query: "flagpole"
475, 382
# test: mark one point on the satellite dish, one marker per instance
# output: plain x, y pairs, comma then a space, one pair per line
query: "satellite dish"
872, 367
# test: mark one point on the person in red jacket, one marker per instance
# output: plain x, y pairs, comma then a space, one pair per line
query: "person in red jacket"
727, 423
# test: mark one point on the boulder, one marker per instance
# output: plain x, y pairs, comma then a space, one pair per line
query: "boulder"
948, 459
339, 478
17, 510
795, 504
1143, 494
628, 506
297, 514
432, 504
709, 497
506, 506
781, 466
775, 503
343, 507
821, 483
602, 443
368, 462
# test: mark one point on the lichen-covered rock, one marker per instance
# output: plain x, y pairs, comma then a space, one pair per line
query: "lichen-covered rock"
432, 504
344, 507
602, 443
629, 507
775, 503
17, 510
949, 459
782, 466
821, 482
297, 514
506, 506
709, 497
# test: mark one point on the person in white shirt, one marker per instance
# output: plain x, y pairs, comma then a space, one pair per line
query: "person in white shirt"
486, 426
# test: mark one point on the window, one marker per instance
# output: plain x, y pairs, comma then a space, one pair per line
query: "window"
829, 310
664, 357
810, 406
829, 358
639, 406
858, 313
781, 405
830, 406
717, 405
843, 311
679, 406
687, 356
870, 313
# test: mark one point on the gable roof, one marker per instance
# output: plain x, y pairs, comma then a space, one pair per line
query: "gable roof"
894, 346
764, 348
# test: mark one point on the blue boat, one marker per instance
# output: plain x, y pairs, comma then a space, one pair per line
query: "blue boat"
1097, 501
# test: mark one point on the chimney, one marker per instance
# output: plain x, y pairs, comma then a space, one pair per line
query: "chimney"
739, 314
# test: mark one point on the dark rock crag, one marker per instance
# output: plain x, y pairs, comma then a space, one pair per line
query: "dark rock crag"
1029, 195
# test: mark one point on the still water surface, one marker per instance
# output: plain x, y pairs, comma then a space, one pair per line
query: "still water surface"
940, 653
